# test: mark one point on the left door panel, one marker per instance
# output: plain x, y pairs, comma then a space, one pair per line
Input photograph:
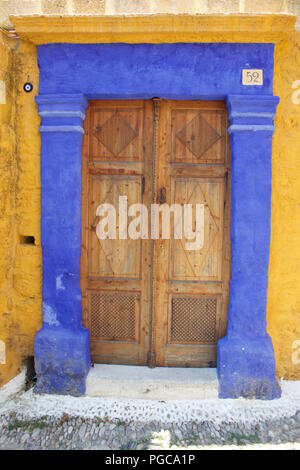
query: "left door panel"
116, 271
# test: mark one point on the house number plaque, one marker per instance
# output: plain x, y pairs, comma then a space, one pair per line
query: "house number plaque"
252, 77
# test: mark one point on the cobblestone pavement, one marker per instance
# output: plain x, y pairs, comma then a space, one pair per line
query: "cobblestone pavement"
70, 433
32, 421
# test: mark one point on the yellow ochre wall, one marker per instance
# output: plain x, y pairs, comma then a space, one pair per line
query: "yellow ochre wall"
283, 311
20, 264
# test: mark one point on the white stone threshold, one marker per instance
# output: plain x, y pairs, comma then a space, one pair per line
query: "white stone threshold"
160, 383
182, 383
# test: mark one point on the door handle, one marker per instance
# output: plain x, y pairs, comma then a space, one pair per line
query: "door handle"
162, 196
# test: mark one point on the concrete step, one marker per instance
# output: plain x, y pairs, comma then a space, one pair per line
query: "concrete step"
160, 383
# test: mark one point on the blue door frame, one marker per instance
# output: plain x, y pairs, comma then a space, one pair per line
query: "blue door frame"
70, 74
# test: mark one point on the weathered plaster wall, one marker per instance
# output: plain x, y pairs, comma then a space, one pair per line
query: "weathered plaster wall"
9, 366
28, 257
121, 7
20, 263
284, 269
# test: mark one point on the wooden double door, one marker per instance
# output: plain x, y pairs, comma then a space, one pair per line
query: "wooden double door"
146, 300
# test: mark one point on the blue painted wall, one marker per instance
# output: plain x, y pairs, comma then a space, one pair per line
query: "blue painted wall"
245, 357
62, 356
174, 71
70, 73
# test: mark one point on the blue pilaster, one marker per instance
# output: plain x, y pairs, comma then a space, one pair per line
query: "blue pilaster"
245, 358
62, 356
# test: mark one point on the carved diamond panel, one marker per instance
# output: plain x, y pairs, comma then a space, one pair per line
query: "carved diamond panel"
198, 136
116, 133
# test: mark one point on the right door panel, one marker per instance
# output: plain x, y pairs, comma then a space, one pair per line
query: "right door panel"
191, 274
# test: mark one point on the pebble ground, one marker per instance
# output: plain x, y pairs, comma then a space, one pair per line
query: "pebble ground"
76, 433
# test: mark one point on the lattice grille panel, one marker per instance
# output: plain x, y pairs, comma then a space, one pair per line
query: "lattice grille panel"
114, 316
193, 320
